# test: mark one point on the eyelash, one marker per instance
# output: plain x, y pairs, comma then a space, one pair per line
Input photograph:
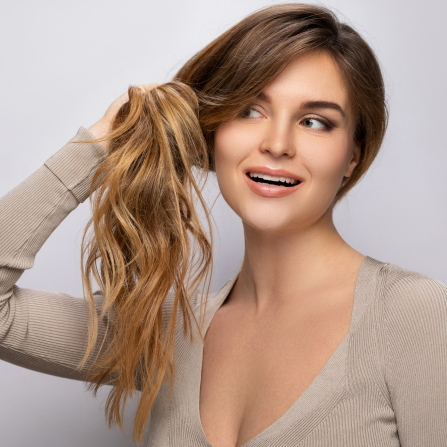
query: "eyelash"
327, 124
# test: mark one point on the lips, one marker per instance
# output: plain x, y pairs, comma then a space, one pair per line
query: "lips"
268, 190
273, 172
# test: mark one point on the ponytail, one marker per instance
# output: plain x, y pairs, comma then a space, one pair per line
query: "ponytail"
146, 233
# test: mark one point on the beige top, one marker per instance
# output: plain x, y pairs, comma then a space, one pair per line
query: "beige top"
385, 385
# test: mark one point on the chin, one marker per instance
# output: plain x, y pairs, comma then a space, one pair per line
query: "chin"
268, 223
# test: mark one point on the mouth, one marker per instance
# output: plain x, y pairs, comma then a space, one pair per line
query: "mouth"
265, 179
261, 181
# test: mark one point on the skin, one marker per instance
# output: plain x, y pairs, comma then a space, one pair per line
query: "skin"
292, 248
296, 286
102, 127
292, 302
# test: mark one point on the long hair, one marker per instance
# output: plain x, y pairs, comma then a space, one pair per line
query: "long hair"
147, 235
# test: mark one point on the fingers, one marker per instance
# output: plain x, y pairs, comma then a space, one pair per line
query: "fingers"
120, 101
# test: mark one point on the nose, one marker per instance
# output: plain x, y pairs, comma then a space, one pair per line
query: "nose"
278, 139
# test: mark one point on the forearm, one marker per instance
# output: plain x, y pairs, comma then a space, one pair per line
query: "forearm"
41, 330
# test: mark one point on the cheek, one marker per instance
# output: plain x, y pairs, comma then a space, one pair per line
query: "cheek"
231, 147
222, 154
232, 144
328, 162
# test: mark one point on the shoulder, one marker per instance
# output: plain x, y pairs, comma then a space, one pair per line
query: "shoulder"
409, 291
415, 346
414, 313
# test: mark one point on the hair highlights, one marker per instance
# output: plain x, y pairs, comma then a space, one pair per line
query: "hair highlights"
146, 231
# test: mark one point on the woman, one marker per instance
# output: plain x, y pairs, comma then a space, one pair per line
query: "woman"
311, 343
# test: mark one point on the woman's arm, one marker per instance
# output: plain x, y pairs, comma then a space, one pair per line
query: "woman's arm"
415, 318
44, 331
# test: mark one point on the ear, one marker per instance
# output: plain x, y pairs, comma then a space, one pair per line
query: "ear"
355, 158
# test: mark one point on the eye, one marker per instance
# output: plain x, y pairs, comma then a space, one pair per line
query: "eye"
247, 113
313, 123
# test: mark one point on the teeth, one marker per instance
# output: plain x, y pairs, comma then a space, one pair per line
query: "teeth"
273, 178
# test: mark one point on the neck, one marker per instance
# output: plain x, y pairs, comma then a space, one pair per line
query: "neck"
289, 268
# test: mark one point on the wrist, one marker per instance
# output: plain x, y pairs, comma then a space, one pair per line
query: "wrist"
99, 129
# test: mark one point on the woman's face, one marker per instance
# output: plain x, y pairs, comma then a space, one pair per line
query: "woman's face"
302, 124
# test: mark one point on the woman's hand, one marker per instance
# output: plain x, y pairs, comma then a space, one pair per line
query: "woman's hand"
102, 127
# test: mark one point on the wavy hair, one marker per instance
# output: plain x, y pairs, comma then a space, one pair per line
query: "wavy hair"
147, 235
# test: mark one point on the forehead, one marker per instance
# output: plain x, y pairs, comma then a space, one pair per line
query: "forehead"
313, 76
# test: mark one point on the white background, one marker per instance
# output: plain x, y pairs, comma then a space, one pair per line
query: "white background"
64, 62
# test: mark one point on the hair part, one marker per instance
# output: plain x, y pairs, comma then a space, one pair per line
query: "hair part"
146, 229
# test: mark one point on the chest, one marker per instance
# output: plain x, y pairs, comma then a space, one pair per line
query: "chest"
252, 374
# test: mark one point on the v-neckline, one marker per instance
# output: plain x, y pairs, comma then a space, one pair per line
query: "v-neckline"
324, 392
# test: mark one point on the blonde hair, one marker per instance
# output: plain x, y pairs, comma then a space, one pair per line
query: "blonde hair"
146, 231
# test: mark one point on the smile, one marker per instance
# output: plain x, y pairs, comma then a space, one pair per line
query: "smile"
271, 186
272, 180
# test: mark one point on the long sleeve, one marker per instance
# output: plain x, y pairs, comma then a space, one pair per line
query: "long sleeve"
415, 318
44, 331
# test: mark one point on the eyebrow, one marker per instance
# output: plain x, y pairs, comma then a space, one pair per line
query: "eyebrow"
310, 104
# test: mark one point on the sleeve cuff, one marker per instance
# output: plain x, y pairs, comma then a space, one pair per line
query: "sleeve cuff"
76, 163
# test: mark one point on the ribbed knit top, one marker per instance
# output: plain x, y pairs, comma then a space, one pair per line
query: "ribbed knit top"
385, 384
